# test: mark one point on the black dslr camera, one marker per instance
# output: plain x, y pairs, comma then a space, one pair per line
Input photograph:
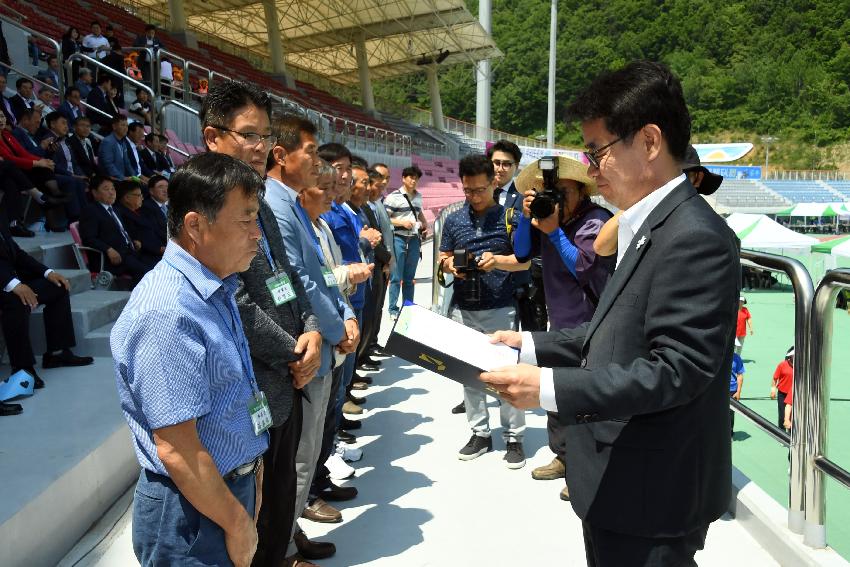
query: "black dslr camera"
466, 263
544, 202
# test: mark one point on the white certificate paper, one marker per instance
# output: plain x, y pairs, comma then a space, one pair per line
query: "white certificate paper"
452, 338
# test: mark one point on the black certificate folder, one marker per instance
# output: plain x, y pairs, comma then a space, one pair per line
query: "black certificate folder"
446, 347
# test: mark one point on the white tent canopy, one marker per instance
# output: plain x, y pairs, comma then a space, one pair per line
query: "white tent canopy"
761, 233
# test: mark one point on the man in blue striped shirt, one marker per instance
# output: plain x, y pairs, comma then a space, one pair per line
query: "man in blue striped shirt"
185, 378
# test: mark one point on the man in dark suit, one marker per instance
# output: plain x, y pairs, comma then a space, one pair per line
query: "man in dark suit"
23, 99
97, 99
71, 108
5, 105
83, 147
155, 207
152, 42
644, 386
26, 283
101, 229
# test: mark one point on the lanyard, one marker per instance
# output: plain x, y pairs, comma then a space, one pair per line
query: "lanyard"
308, 226
264, 243
238, 338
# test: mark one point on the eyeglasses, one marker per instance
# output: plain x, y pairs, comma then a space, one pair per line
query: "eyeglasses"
593, 155
252, 138
505, 163
474, 190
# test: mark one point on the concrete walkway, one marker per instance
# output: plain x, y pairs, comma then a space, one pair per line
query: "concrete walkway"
418, 505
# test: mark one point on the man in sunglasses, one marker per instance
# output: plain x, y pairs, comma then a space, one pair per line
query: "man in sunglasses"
642, 387
476, 236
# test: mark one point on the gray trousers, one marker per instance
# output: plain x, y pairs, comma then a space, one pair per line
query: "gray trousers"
513, 420
310, 444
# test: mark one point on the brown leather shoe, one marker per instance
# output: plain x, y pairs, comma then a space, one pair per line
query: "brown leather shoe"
297, 561
552, 471
351, 408
309, 549
322, 512
359, 385
565, 494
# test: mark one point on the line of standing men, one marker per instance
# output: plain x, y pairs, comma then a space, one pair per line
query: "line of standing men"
234, 355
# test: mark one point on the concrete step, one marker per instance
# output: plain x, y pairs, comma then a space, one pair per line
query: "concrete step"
96, 342
91, 310
53, 249
80, 279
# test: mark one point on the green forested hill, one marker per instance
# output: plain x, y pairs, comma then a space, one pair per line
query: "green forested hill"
749, 68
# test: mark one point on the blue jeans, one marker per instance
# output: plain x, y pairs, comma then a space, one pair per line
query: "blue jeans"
167, 530
34, 53
406, 260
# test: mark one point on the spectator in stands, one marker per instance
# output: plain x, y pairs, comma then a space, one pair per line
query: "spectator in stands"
480, 229
134, 142
109, 32
112, 155
83, 147
30, 134
71, 108
111, 101
5, 105
115, 61
405, 209
166, 76
574, 274
23, 98
142, 232
745, 321
102, 229
52, 73
45, 101
26, 283
150, 41
33, 49
99, 99
69, 175
95, 44
84, 82
292, 168
141, 107
148, 155
72, 43
163, 158
155, 207
736, 384
185, 382
783, 383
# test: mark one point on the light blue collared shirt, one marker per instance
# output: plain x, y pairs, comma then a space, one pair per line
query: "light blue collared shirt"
180, 353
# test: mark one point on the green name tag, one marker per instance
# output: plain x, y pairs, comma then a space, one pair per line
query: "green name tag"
281, 289
261, 415
330, 278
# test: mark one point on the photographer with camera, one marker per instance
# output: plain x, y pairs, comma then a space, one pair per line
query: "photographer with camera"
557, 204
476, 250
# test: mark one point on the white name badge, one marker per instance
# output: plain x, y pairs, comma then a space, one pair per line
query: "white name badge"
330, 278
261, 415
281, 289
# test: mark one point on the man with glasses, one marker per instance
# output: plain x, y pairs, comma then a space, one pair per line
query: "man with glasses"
644, 386
478, 228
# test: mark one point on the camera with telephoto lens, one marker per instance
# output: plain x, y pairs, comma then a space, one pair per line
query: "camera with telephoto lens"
466, 263
544, 202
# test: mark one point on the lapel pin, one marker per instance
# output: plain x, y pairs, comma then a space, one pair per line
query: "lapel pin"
640, 242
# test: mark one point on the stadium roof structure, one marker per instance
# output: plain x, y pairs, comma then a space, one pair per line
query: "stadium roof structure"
320, 35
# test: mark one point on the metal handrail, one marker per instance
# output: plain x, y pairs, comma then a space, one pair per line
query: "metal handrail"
437, 293
817, 463
90, 61
804, 293
56, 45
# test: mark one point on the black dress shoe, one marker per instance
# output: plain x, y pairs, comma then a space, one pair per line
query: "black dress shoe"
66, 358
372, 361
378, 351
21, 231
355, 400
10, 409
349, 424
310, 549
460, 408
338, 493
38, 383
359, 378
346, 437
369, 367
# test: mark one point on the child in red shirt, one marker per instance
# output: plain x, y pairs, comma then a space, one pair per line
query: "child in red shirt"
744, 320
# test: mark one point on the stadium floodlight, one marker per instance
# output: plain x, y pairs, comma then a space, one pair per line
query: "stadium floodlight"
767, 140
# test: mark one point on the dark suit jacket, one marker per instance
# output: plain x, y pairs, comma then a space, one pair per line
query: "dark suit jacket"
140, 228
6, 108
272, 331
151, 210
99, 231
18, 104
645, 384
67, 109
81, 158
28, 142
382, 255
14, 262
148, 159
98, 100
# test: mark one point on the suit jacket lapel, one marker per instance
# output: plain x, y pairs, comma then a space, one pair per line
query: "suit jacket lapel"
641, 242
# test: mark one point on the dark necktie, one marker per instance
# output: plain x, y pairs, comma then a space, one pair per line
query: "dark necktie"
120, 227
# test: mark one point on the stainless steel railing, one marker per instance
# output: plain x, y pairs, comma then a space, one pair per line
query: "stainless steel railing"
56, 46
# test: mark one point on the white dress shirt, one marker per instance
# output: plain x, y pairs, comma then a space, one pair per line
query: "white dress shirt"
630, 221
